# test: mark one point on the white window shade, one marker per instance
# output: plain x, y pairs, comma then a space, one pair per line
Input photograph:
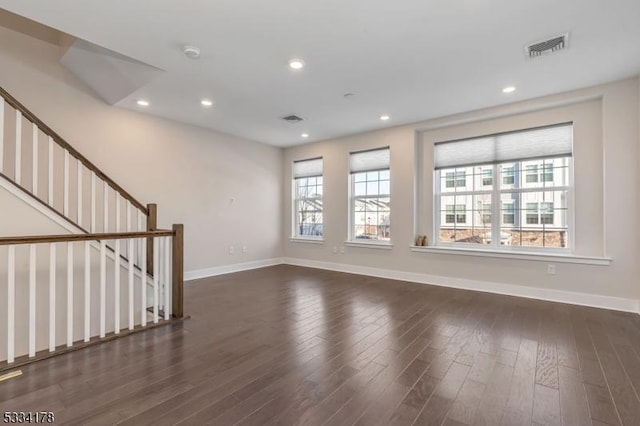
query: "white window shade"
553, 141
307, 168
365, 161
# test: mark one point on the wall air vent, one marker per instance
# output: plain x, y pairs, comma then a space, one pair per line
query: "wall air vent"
292, 118
545, 47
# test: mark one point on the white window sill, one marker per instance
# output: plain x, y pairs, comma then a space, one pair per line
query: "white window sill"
380, 245
306, 240
544, 257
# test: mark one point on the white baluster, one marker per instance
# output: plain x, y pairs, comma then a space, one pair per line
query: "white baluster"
116, 271
93, 202
167, 278
50, 172
1, 134
131, 278
18, 159
128, 216
69, 293
65, 193
32, 300
117, 211
87, 291
11, 304
105, 207
128, 219
34, 170
143, 265
139, 229
79, 201
52, 297
156, 272
103, 288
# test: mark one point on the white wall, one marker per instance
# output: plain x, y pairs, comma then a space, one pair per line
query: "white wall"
606, 158
226, 190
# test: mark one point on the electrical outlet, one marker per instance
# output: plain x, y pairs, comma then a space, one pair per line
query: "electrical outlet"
342, 250
231, 250
335, 249
551, 269
244, 249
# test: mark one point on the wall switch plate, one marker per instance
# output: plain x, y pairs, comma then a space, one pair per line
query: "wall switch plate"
551, 269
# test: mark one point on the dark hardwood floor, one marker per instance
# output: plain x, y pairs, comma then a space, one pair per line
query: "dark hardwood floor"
291, 346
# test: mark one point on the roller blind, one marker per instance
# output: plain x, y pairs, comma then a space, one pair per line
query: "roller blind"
542, 142
366, 161
307, 168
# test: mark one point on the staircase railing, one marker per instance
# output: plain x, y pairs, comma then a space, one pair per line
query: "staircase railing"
120, 274
42, 163
53, 301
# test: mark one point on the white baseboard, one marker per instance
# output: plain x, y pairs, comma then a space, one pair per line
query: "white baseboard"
573, 298
228, 269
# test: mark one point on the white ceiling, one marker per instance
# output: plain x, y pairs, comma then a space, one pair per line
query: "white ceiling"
411, 59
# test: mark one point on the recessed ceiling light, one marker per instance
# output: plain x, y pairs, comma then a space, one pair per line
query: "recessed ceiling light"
509, 89
207, 103
296, 64
305, 135
142, 102
384, 117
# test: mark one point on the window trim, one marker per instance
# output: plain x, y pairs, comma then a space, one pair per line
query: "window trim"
352, 213
351, 240
294, 209
495, 200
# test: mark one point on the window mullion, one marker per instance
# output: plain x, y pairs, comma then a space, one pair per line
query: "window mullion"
495, 209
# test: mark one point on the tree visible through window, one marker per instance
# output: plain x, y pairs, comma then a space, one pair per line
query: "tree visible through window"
370, 195
307, 198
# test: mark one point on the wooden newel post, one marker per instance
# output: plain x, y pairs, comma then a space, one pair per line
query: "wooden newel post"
152, 225
178, 271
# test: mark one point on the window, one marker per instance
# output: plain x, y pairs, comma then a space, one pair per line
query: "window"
456, 179
527, 206
487, 177
307, 198
539, 171
456, 213
508, 175
532, 173
370, 195
508, 213
547, 172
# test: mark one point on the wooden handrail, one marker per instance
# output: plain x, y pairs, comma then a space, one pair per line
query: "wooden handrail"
64, 144
37, 239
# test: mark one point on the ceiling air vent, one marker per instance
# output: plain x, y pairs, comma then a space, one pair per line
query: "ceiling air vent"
547, 46
293, 119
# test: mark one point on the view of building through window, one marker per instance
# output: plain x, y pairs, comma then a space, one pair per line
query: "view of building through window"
527, 208
371, 210
307, 198
370, 195
309, 206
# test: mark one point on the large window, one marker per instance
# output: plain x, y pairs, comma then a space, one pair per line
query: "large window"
307, 198
370, 195
526, 205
